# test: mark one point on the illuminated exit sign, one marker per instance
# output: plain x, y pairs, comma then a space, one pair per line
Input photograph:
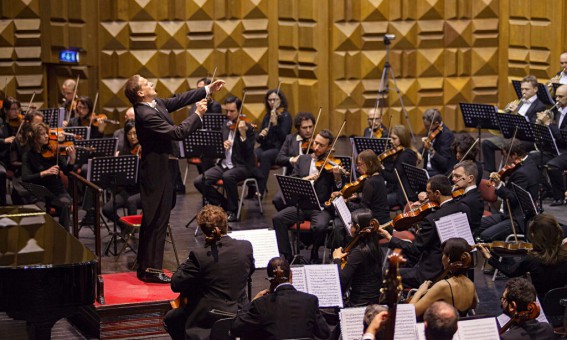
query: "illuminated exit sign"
69, 56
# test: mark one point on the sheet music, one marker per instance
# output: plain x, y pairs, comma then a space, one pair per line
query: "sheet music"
264, 244
351, 322
485, 329
298, 278
454, 225
323, 282
344, 213
405, 322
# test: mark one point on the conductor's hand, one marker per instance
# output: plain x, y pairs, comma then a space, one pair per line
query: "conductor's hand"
54, 170
216, 86
339, 254
201, 107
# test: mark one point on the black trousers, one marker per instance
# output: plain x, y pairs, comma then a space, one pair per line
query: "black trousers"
230, 178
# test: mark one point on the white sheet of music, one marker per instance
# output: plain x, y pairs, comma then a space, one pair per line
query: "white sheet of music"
454, 225
351, 322
264, 244
344, 213
405, 322
485, 329
323, 282
298, 278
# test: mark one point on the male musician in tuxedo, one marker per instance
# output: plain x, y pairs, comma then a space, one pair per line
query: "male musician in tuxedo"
528, 106
282, 312
377, 130
156, 133
526, 175
561, 76
325, 182
518, 294
119, 133
557, 165
212, 105
464, 177
424, 253
67, 91
440, 321
214, 276
239, 162
291, 148
437, 154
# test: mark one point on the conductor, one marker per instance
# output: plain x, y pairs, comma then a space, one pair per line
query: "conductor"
156, 132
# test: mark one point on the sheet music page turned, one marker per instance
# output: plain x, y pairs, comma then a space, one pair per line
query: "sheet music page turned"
323, 282
344, 213
264, 244
298, 278
454, 225
405, 322
351, 323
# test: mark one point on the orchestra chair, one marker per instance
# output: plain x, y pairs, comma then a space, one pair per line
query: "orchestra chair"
245, 185
488, 194
132, 224
305, 227
552, 306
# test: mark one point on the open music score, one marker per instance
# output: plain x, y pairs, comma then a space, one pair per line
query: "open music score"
264, 244
454, 225
321, 280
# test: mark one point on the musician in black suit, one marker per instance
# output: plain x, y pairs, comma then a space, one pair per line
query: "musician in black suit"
291, 148
325, 183
378, 130
214, 276
528, 106
424, 253
557, 165
437, 155
465, 149
464, 177
526, 175
239, 162
156, 133
282, 312
10, 111
85, 110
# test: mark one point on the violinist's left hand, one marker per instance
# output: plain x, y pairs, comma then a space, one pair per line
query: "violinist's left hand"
339, 254
485, 253
242, 129
495, 178
426, 143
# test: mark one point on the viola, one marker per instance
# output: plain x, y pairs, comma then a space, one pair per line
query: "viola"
390, 152
405, 220
349, 189
508, 248
101, 117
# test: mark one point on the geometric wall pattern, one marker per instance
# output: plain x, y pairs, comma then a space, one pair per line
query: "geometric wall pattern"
327, 54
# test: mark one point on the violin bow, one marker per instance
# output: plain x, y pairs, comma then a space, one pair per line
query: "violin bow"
94, 109
209, 96
27, 110
74, 98
332, 147
239, 113
428, 133
277, 94
464, 156
401, 185
314, 129
511, 220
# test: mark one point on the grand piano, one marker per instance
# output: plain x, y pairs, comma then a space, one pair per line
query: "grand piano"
45, 273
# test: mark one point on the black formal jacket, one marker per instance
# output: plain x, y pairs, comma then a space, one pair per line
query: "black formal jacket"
555, 129
407, 156
242, 152
283, 314
214, 277
475, 203
443, 157
277, 134
531, 329
535, 107
212, 107
384, 132
290, 148
324, 185
5, 132
426, 247
374, 196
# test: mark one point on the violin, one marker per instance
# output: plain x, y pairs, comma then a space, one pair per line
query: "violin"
457, 193
136, 150
391, 290
232, 126
329, 164
16, 122
57, 134
101, 117
304, 146
349, 189
405, 220
508, 248
378, 132
54, 147
432, 135
390, 152
507, 170
519, 318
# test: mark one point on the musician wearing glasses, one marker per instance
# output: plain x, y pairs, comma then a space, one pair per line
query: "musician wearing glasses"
375, 127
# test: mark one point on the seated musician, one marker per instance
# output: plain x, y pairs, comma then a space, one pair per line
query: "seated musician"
119, 133
238, 164
67, 92
525, 174
325, 182
440, 321
282, 312
547, 262
84, 118
464, 178
527, 106
41, 165
457, 290
214, 276
518, 298
126, 197
374, 323
436, 150
464, 150
292, 147
424, 254
561, 76
361, 274
400, 137
378, 130
10, 118
276, 125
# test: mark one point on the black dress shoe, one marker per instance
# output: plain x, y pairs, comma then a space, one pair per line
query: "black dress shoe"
557, 203
154, 278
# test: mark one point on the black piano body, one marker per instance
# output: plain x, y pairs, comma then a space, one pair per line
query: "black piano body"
45, 273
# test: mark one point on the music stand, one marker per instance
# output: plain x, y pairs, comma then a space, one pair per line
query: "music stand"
378, 145
526, 202
109, 173
53, 117
542, 92
301, 193
202, 144
101, 147
515, 125
479, 116
213, 121
82, 131
417, 177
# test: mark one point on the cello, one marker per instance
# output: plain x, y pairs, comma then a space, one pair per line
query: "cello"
391, 290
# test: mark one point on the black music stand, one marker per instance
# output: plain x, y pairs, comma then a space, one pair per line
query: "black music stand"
300, 193
53, 117
526, 202
202, 144
109, 173
82, 131
515, 125
378, 145
101, 147
545, 143
213, 121
417, 177
479, 116
542, 92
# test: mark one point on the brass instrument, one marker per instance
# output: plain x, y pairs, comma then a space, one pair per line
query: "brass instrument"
517, 103
555, 80
546, 117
